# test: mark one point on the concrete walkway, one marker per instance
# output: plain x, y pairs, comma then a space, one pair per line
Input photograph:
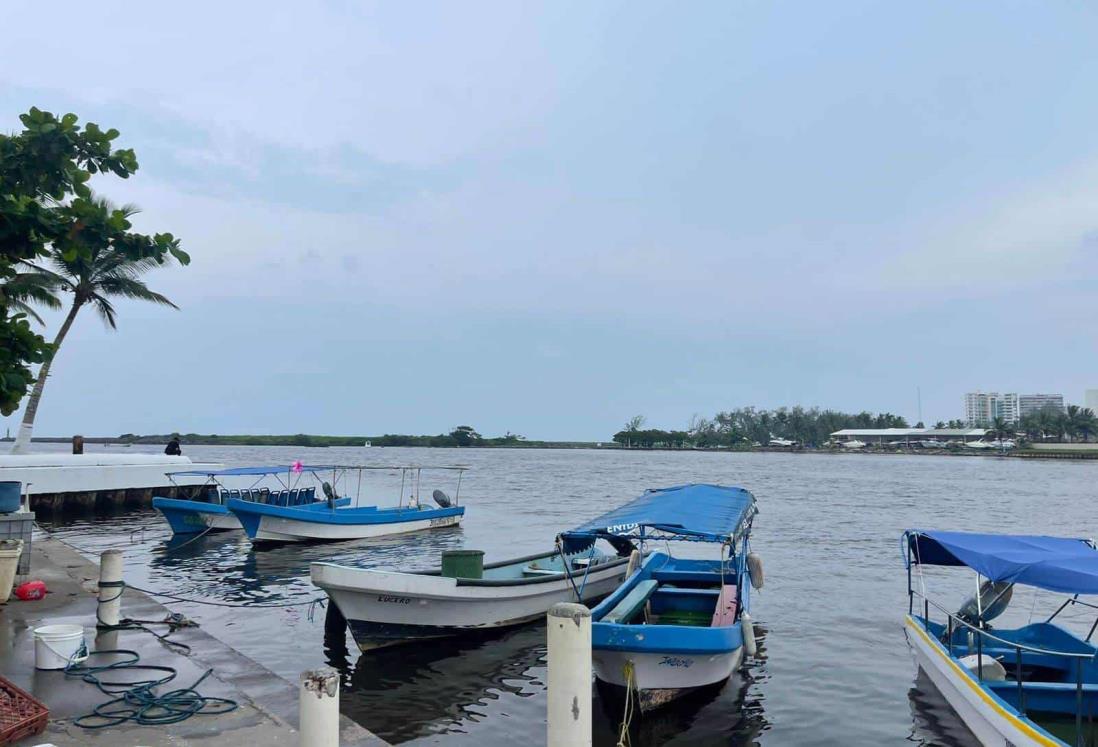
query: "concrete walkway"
268, 704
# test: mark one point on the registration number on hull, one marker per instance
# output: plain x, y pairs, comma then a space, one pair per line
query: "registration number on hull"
393, 600
443, 522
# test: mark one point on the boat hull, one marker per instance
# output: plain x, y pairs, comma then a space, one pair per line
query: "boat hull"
318, 523
991, 721
660, 678
385, 608
195, 517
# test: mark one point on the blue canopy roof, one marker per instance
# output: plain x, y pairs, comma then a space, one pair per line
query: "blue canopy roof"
703, 513
238, 471
1054, 563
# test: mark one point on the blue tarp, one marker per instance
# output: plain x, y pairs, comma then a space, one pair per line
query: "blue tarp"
237, 471
1055, 563
707, 513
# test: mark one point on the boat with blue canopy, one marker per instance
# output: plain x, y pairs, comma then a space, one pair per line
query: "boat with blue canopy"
333, 521
206, 508
675, 624
1031, 683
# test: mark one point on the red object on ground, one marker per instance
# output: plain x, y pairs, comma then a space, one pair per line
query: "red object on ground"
31, 590
21, 715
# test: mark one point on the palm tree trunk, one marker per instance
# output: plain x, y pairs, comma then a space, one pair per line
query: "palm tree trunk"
23, 438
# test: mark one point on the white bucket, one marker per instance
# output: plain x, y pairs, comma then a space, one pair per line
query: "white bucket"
57, 645
10, 550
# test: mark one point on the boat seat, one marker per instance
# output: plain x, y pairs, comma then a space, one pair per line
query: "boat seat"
531, 571
687, 592
631, 602
725, 613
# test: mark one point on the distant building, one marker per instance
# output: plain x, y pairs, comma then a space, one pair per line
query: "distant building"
1028, 403
983, 407
1091, 399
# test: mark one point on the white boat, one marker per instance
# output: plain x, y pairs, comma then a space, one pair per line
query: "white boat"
853, 444
979, 444
932, 443
1031, 685
332, 522
676, 625
784, 443
384, 608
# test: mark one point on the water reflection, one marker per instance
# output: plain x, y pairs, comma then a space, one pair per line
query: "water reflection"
405, 692
935, 722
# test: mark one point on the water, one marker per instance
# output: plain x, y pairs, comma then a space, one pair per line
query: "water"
834, 666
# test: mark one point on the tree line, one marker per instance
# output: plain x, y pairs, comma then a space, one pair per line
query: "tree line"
745, 426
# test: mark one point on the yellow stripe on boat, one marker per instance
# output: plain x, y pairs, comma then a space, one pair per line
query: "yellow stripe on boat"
966, 676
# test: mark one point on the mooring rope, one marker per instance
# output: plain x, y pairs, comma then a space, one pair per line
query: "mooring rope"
627, 716
137, 700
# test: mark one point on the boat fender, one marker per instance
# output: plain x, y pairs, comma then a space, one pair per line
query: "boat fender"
755, 569
994, 598
993, 669
442, 499
633, 564
748, 629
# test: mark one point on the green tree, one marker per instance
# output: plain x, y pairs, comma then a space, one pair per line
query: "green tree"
999, 428
94, 276
464, 435
46, 205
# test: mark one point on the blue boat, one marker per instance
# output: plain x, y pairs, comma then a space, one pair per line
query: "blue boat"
675, 625
207, 510
1034, 684
330, 521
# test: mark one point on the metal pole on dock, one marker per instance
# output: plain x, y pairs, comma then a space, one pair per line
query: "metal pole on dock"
109, 611
569, 640
318, 703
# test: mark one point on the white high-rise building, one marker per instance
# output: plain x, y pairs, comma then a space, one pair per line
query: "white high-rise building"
1028, 403
983, 407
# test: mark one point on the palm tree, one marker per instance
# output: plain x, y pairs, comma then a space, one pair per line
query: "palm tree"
1087, 424
25, 288
93, 278
999, 428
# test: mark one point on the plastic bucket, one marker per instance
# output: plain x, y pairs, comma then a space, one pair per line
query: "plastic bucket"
55, 646
463, 564
10, 499
10, 550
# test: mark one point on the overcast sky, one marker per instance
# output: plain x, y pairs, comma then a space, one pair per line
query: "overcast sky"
549, 218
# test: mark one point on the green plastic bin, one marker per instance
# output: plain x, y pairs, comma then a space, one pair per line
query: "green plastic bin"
463, 563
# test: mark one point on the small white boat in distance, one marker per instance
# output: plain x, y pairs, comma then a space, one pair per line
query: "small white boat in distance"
853, 444
781, 442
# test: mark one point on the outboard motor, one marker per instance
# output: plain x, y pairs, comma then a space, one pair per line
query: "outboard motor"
442, 499
329, 493
994, 598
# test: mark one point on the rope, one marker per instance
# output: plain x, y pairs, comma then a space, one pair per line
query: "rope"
627, 716
137, 700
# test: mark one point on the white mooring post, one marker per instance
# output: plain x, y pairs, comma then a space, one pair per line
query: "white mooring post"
318, 703
569, 634
109, 611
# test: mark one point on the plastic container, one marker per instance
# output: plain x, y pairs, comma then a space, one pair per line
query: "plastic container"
10, 550
22, 716
463, 563
55, 646
10, 496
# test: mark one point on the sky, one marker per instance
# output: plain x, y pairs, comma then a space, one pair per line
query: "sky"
548, 218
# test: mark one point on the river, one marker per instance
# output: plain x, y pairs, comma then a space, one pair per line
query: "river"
833, 668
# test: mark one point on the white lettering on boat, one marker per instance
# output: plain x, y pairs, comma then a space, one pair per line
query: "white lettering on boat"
619, 528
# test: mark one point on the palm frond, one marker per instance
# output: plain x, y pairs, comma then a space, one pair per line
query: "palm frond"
131, 288
106, 311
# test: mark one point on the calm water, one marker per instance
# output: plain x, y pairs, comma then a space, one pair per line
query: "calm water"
834, 667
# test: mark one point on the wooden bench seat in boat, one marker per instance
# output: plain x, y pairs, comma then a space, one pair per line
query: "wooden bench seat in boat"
725, 613
631, 602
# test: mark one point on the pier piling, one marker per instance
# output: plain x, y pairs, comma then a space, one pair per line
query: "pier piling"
569, 641
319, 708
108, 613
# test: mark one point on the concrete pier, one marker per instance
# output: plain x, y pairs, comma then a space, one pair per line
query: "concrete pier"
268, 712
